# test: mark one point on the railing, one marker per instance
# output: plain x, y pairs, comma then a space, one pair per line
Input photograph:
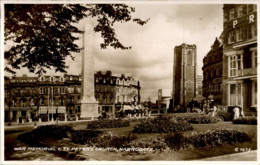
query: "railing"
247, 72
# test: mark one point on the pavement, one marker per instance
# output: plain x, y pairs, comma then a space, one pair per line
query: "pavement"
15, 125
241, 156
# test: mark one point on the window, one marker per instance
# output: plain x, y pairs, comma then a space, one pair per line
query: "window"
71, 78
240, 34
61, 101
118, 99
23, 103
251, 8
254, 53
240, 10
254, 30
42, 90
189, 58
52, 79
235, 94
42, 78
232, 13
61, 79
225, 16
96, 79
79, 78
231, 37
62, 90
42, 101
233, 66
70, 89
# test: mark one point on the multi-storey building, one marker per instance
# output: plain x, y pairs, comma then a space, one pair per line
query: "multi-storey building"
48, 96
240, 56
212, 72
184, 74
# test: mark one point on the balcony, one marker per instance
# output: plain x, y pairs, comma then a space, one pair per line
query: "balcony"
247, 72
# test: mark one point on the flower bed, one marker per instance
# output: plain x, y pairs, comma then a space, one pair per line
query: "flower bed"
110, 140
84, 136
108, 123
207, 139
162, 125
53, 131
199, 119
245, 120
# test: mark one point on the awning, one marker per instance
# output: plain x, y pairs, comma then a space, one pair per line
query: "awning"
20, 108
44, 110
128, 107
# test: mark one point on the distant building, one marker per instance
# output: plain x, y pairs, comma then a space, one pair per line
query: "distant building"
240, 56
30, 97
212, 72
184, 74
199, 94
164, 97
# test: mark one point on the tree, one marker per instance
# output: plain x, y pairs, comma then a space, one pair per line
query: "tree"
44, 34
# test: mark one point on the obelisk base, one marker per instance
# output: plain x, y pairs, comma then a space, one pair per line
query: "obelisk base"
89, 111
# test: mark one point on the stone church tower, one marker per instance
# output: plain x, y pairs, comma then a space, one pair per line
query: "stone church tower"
184, 74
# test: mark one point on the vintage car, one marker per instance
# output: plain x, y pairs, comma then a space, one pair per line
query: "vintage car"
226, 114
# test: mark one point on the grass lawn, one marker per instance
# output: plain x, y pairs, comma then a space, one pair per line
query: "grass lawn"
180, 155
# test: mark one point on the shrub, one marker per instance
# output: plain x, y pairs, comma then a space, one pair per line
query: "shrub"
157, 144
245, 120
199, 119
53, 131
84, 136
110, 140
213, 138
108, 123
162, 125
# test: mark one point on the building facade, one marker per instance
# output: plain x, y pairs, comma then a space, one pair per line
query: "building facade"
164, 97
212, 72
48, 96
184, 74
240, 56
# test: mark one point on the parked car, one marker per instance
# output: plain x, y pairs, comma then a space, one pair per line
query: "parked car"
226, 114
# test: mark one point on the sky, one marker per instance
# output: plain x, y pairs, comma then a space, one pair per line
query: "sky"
151, 58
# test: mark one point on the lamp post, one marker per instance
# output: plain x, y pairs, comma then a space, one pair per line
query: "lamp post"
52, 103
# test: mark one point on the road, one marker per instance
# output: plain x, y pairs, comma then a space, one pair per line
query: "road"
11, 142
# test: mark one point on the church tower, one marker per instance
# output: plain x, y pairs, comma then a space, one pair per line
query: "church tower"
184, 74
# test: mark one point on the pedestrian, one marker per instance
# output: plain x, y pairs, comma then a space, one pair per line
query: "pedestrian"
35, 124
236, 112
20, 120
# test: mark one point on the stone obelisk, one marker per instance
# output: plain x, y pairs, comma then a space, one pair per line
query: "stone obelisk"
89, 105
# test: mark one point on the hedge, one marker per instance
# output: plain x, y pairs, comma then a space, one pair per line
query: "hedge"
214, 138
245, 120
162, 125
108, 123
199, 119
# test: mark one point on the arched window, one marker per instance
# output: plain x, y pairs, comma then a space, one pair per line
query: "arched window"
61, 79
189, 58
42, 78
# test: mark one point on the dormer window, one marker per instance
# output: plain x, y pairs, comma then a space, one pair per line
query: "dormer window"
42, 78
61, 79
52, 79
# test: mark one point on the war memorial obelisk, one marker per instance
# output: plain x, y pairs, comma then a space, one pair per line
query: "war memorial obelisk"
89, 105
